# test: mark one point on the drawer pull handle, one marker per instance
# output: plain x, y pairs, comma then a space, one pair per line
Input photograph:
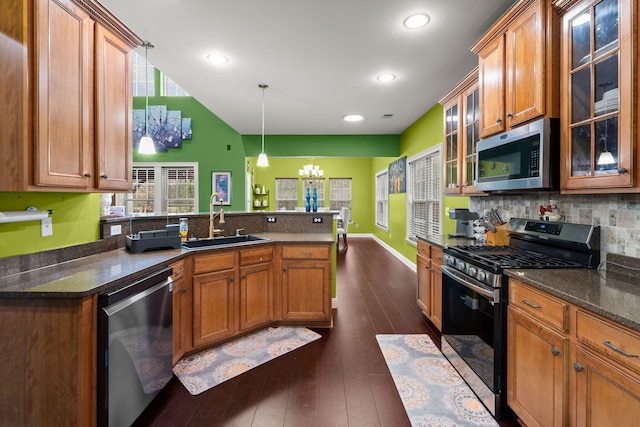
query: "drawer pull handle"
305, 253
530, 304
244, 276
179, 271
618, 349
555, 351
578, 367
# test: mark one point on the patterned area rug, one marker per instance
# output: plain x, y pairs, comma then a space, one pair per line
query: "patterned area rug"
201, 371
432, 391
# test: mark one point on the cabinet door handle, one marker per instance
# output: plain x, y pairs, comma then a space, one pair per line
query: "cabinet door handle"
284, 269
183, 290
555, 351
578, 367
530, 304
498, 120
509, 115
244, 276
104, 176
87, 174
618, 349
231, 279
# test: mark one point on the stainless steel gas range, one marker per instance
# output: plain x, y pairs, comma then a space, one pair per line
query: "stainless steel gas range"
475, 295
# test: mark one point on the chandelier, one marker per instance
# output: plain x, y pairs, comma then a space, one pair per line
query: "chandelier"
311, 171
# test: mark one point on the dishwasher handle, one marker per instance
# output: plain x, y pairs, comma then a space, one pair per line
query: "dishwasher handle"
139, 285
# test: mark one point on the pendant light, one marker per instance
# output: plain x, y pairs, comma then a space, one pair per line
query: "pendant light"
146, 145
262, 158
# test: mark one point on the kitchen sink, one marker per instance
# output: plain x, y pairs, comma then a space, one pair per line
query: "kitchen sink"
222, 241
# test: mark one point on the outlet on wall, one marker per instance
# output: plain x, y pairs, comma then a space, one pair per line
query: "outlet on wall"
47, 226
115, 230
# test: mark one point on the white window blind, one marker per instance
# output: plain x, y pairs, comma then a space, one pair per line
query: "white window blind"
286, 194
424, 195
339, 193
382, 199
318, 184
168, 188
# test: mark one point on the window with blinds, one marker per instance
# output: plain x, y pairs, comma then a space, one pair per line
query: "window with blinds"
286, 194
318, 184
424, 194
382, 199
339, 193
162, 188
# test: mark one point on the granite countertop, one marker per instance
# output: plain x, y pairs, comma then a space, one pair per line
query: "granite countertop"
612, 295
93, 274
443, 240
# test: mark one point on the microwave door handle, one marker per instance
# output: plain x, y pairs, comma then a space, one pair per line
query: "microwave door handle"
454, 275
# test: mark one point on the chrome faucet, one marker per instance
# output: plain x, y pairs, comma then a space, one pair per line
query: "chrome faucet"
239, 231
212, 215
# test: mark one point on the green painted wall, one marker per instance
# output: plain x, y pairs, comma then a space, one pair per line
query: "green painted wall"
75, 220
358, 169
323, 145
424, 133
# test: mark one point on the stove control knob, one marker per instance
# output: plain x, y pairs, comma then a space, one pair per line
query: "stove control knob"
481, 275
472, 271
461, 265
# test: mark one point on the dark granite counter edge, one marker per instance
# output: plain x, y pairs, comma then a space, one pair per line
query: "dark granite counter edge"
49, 282
525, 276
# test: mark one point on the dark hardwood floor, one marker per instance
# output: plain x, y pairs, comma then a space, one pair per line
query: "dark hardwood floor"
338, 380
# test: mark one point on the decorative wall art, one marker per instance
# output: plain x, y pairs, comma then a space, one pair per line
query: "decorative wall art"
221, 184
167, 128
397, 176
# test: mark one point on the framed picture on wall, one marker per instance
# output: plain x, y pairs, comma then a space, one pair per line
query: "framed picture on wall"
221, 184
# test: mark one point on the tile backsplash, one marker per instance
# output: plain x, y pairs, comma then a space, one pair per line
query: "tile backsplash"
618, 215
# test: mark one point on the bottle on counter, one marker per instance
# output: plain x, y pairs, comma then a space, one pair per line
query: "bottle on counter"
184, 229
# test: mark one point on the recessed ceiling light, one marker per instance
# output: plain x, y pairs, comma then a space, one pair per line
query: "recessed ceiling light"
353, 117
418, 20
218, 59
386, 77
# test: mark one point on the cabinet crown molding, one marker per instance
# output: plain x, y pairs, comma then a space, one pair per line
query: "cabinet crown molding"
100, 14
502, 24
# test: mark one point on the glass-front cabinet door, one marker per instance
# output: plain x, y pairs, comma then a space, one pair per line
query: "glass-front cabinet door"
597, 103
461, 134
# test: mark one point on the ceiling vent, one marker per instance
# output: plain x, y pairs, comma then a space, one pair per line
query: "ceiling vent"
387, 116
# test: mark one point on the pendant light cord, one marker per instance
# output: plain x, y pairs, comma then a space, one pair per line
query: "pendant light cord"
146, 45
263, 87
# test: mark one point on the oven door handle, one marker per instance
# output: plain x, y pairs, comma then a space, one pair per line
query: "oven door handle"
466, 283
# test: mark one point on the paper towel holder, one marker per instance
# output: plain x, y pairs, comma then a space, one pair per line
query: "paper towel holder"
29, 214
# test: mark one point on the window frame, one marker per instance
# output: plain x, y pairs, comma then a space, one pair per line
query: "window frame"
335, 203
382, 189
433, 204
293, 195
138, 62
126, 199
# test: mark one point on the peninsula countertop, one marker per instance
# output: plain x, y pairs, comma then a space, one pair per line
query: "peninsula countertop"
93, 274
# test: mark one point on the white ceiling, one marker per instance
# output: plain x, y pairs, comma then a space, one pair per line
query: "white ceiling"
320, 58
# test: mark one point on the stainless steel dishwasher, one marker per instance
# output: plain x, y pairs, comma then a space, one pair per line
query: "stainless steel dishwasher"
134, 347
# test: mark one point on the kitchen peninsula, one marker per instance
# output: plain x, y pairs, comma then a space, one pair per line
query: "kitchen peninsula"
49, 314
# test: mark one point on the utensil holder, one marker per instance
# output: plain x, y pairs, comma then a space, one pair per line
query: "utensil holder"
501, 237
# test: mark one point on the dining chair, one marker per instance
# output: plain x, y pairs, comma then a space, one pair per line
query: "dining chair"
343, 226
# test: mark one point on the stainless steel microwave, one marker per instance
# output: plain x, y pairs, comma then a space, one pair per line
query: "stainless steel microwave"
524, 158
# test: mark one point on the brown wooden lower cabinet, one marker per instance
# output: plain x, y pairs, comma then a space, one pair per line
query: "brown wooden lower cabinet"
429, 291
306, 284
568, 366
214, 312
49, 358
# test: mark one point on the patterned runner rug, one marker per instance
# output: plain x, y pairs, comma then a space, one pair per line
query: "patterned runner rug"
432, 391
201, 371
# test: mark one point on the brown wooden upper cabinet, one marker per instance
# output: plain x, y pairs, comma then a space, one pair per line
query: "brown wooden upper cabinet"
461, 133
518, 76
599, 84
66, 91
